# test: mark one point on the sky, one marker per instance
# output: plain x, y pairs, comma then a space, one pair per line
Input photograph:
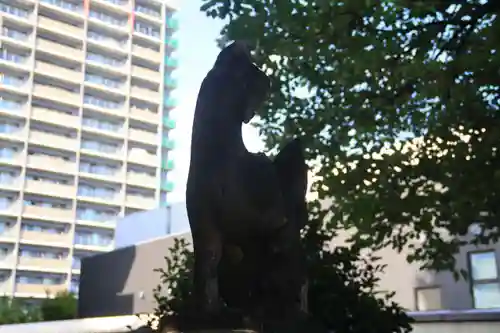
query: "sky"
197, 52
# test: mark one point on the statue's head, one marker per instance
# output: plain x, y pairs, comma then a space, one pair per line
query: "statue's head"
248, 85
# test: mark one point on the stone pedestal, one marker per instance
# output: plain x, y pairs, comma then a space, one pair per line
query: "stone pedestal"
212, 331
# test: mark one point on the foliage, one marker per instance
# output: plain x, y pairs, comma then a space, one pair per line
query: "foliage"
15, 311
356, 77
173, 293
61, 307
342, 285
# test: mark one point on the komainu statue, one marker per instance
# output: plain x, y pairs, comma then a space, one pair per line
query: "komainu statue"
245, 209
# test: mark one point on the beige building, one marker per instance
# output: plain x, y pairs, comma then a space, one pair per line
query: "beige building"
84, 123
130, 279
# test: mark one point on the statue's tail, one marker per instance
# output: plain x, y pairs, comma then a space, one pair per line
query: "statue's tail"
292, 173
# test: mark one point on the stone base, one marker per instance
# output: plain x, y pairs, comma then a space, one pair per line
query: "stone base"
212, 331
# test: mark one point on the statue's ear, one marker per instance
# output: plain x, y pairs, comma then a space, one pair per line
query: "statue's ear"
235, 53
249, 113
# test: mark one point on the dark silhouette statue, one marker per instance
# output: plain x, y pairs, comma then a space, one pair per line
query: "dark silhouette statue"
245, 209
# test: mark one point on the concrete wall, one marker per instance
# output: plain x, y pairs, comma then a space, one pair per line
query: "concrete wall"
121, 282
405, 278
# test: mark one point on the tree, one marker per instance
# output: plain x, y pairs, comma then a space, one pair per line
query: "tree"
355, 78
343, 294
62, 307
15, 311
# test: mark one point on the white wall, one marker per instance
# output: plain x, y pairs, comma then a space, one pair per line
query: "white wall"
143, 226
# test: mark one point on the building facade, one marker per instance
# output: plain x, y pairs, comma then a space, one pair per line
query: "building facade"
130, 279
85, 97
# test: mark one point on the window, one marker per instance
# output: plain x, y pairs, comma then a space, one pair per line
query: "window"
148, 10
107, 104
14, 33
108, 18
484, 279
428, 298
89, 214
65, 5
105, 60
4, 8
147, 29
13, 81
13, 57
101, 147
98, 37
102, 81
92, 238
8, 104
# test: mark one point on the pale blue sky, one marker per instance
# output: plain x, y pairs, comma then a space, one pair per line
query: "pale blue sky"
196, 54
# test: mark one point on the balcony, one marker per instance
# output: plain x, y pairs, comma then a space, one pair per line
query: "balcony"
18, 13
18, 60
146, 74
54, 117
5, 286
50, 163
48, 213
115, 200
144, 115
173, 23
106, 85
8, 260
17, 159
13, 183
116, 177
141, 179
170, 82
168, 123
15, 84
173, 43
64, 6
49, 188
146, 53
43, 263
167, 186
39, 289
18, 134
7, 236
168, 143
150, 13
140, 202
145, 94
114, 4
39, 237
167, 165
58, 72
52, 140
60, 27
56, 94
12, 209
105, 106
171, 62
169, 103
143, 136
142, 157
108, 21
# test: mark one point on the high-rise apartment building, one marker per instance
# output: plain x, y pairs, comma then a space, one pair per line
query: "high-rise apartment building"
84, 123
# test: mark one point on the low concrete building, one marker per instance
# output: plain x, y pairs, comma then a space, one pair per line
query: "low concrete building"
121, 282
